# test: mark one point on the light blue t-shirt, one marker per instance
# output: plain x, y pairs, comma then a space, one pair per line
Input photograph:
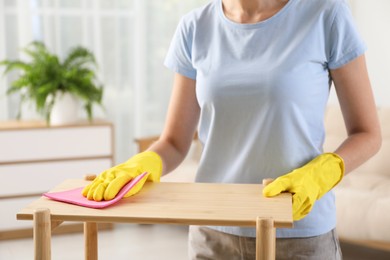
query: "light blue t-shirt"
262, 89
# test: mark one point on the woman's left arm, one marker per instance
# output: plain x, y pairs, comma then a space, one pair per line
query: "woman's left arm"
358, 107
311, 181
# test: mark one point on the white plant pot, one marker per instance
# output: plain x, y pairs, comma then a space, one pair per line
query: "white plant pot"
65, 109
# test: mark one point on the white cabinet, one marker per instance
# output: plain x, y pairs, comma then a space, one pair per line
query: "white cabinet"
34, 158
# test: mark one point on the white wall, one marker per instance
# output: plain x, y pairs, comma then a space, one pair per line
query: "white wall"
373, 20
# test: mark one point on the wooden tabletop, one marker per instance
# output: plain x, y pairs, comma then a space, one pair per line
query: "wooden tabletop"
176, 203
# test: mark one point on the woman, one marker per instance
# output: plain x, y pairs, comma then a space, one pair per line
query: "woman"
254, 77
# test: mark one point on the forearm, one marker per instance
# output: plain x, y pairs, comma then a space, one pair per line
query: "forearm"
170, 154
358, 148
180, 126
357, 104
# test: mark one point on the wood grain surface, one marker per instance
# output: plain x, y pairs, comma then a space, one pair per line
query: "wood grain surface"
177, 203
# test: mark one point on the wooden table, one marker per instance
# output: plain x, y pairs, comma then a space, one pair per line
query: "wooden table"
167, 203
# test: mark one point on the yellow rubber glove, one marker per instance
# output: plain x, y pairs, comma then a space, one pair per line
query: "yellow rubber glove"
308, 183
107, 184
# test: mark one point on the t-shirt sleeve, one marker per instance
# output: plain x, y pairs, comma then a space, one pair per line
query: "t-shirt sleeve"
345, 42
179, 56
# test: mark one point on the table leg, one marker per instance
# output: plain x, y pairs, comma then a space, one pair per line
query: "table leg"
265, 239
90, 241
42, 234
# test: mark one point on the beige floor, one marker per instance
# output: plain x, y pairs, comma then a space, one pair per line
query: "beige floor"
139, 242
125, 241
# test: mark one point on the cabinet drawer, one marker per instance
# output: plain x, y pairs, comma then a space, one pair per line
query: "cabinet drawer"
55, 143
35, 178
12, 207
8, 222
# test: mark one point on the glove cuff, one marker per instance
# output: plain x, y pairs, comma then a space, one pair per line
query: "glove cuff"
150, 162
340, 161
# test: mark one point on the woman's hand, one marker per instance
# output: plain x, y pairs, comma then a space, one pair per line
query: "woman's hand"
308, 183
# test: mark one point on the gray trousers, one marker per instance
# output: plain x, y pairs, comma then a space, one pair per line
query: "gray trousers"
206, 243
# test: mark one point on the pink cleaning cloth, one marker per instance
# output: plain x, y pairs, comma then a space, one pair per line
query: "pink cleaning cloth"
74, 196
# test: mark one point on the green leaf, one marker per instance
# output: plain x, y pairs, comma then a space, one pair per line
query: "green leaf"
78, 57
14, 65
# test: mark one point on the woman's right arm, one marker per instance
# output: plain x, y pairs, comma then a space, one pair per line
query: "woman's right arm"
180, 125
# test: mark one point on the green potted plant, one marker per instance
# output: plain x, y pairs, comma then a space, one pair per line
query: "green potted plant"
45, 81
